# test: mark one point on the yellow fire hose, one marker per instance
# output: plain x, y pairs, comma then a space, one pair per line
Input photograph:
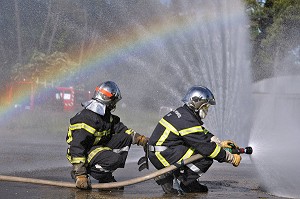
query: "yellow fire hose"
100, 185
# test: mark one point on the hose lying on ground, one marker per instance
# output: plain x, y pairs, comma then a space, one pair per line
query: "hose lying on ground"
100, 185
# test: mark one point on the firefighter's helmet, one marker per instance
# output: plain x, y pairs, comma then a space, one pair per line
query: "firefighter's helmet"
199, 98
108, 94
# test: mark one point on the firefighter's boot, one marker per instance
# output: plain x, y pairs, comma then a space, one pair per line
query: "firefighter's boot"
166, 182
194, 187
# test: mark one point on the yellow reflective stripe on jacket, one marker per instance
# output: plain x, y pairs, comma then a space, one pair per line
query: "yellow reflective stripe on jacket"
168, 126
162, 159
97, 140
216, 151
70, 137
76, 160
163, 137
205, 131
84, 126
98, 135
102, 133
95, 151
194, 129
129, 131
188, 154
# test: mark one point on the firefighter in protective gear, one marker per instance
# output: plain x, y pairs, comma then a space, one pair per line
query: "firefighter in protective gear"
98, 141
179, 135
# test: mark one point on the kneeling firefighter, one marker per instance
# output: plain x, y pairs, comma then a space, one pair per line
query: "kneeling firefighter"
179, 135
98, 141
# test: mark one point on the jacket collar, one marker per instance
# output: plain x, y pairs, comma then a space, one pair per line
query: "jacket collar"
193, 113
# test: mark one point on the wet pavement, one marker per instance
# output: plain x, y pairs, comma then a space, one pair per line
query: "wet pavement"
46, 160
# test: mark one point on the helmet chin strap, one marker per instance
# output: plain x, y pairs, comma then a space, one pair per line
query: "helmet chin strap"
201, 112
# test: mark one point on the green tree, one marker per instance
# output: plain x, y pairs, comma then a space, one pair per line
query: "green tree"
275, 34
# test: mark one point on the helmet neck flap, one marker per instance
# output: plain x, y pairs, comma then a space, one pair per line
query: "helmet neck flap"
95, 106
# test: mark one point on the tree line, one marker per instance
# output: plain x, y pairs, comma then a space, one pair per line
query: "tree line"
43, 31
275, 37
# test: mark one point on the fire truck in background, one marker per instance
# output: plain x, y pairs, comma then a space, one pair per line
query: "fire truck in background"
27, 95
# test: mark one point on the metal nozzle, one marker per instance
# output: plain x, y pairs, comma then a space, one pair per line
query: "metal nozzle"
247, 150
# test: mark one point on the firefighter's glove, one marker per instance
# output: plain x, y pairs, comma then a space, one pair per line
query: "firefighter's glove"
142, 140
234, 159
79, 174
138, 139
229, 144
83, 182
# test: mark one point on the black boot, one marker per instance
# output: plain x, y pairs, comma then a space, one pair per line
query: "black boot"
194, 187
166, 183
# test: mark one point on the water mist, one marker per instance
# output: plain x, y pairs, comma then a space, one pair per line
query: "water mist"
199, 43
275, 135
157, 52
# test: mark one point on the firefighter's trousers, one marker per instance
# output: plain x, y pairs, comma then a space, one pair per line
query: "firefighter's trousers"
187, 173
106, 159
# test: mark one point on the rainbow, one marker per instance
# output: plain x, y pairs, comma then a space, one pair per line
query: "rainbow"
112, 48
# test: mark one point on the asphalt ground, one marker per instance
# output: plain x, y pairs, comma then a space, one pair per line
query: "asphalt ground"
46, 160
222, 180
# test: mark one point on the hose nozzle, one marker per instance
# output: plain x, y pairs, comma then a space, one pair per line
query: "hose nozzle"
247, 150
234, 150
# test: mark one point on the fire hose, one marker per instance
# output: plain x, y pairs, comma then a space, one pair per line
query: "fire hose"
247, 150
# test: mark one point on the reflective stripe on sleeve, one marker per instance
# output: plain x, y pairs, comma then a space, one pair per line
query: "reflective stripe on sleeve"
205, 131
76, 160
129, 131
70, 137
89, 129
194, 129
216, 152
99, 135
84, 126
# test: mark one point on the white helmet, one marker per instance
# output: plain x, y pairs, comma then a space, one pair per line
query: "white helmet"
199, 98
108, 94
